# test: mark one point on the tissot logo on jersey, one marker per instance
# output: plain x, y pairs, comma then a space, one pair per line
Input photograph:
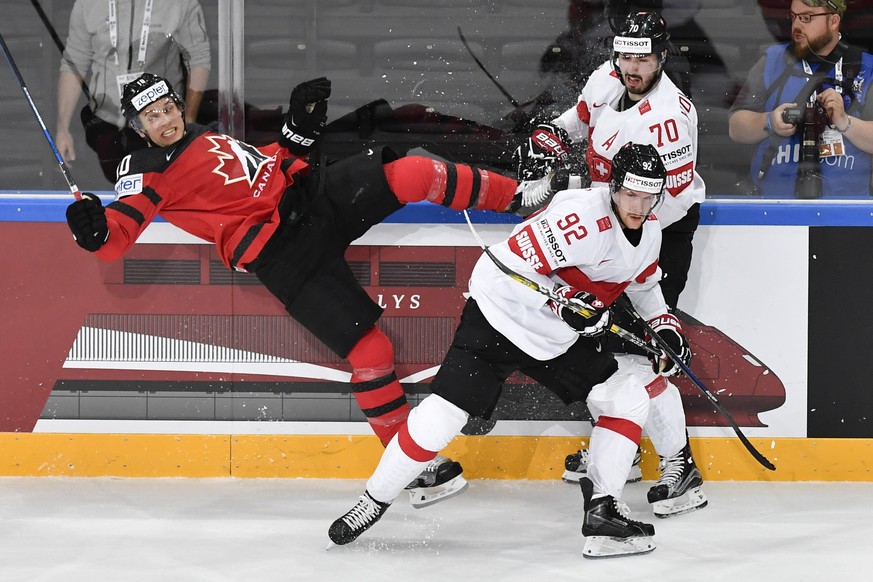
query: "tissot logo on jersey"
677, 155
679, 178
238, 161
526, 246
552, 244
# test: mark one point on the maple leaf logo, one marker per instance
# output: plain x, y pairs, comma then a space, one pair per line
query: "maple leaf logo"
237, 160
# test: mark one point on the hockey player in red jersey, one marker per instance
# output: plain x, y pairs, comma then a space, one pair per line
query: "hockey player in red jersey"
590, 246
630, 99
270, 213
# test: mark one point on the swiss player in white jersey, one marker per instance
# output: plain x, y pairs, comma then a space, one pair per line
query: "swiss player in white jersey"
590, 245
629, 98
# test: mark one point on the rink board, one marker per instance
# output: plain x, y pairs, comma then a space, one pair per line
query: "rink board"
355, 457
769, 279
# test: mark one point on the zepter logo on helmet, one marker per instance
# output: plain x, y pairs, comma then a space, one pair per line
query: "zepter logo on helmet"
150, 95
143, 91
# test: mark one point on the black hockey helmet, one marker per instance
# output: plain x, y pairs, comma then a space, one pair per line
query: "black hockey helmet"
142, 92
638, 167
643, 33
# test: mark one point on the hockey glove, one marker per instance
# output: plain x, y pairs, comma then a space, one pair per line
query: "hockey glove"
87, 221
668, 329
595, 325
306, 117
544, 151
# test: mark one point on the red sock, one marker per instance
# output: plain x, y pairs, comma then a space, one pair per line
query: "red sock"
377, 390
457, 186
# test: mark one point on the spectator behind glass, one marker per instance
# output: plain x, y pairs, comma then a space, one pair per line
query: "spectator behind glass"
812, 90
105, 40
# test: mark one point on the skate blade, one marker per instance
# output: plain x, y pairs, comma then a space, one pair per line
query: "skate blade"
420, 497
692, 500
599, 547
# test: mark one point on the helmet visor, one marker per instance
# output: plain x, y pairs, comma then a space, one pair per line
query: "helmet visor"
635, 64
634, 202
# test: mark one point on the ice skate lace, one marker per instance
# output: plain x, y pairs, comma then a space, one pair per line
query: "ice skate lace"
364, 511
536, 192
622, 507
671, 470
434, 464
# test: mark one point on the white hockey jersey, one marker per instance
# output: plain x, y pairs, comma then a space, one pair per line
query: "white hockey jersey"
575, 240
665, 118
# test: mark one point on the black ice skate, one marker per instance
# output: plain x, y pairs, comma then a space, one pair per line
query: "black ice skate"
608, 532
531, 195
442, 478
678, 490
366, 512
576, 467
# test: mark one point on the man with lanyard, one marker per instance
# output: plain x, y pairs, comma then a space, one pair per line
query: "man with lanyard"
111, 43
630, 99
816, 71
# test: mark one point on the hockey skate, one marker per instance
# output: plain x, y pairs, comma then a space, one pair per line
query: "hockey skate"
532, 195
608, 531
576, 467
442, 478
679, 489
366, 512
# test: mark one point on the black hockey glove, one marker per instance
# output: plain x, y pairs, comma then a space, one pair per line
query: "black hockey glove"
599, 321
544, 151
87, 221
306, 117
668, 329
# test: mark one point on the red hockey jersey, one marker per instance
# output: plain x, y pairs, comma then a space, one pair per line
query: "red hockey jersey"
210, 185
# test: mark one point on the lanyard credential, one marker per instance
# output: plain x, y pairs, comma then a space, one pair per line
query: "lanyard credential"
144, 35
838, 76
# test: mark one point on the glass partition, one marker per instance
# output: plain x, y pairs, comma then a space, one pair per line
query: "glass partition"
457, 78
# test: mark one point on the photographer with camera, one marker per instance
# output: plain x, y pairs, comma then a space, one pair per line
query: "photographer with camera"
805, 106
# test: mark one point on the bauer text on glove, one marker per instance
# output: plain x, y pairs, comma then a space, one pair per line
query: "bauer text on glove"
544, 151
670, 331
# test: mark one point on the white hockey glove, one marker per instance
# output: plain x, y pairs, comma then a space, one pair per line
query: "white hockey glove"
668, 329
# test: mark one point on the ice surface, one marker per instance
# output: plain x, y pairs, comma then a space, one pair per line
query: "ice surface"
276, 529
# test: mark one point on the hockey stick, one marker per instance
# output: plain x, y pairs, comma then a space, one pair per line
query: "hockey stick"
67, 176
542, 289
627, 307
484, 70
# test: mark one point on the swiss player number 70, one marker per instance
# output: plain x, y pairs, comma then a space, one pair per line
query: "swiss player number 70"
668, 128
